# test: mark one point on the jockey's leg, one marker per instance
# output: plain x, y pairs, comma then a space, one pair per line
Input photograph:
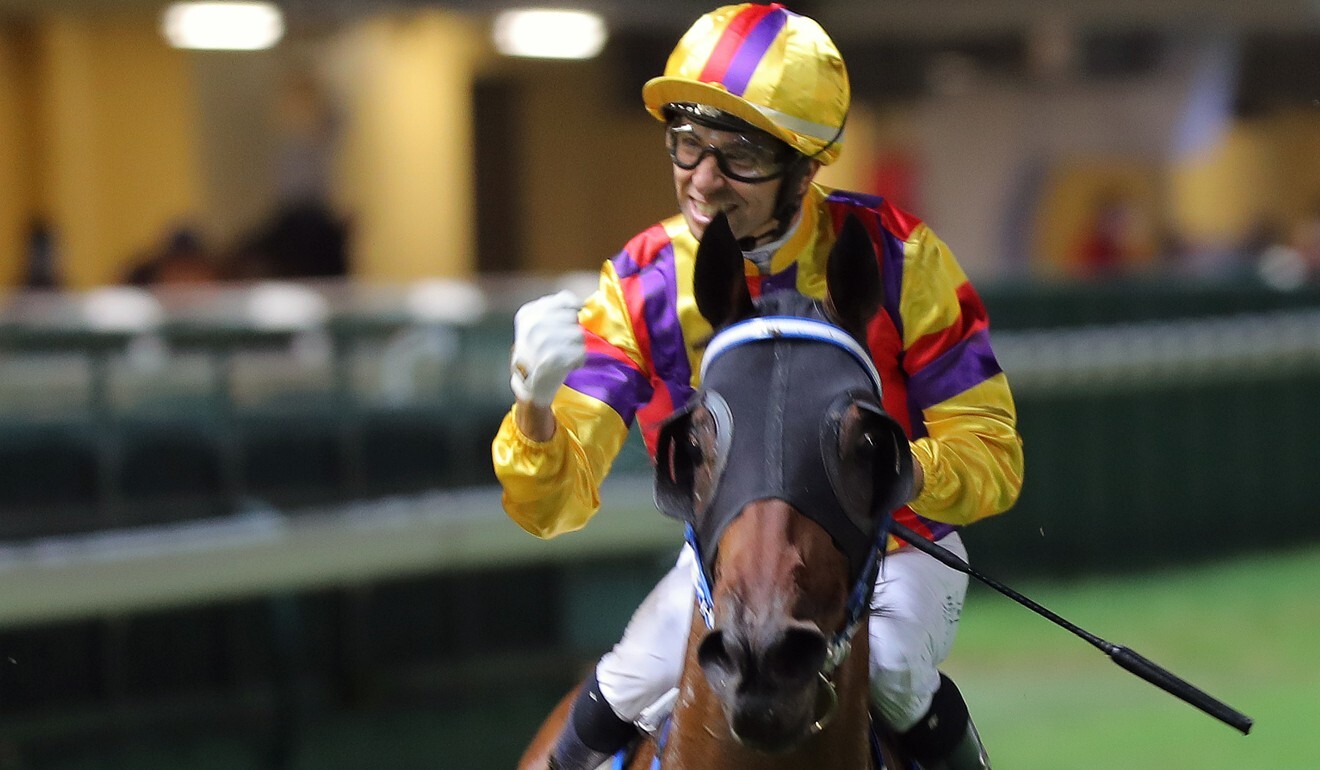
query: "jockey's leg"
918, 604
645, 665
945, 738
592, 734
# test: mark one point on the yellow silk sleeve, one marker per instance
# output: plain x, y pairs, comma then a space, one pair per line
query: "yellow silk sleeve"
553, 487
928, 302
972, 455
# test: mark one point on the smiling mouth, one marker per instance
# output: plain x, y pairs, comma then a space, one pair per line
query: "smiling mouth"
708, 210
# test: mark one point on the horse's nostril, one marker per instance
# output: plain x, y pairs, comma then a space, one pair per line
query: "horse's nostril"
797, 655
717, 660
713, 652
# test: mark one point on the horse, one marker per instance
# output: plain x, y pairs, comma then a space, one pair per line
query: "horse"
784, 469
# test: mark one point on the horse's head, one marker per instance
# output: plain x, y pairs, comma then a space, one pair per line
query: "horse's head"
785, 467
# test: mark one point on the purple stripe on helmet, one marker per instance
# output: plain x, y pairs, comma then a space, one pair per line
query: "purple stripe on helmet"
668, 349
965, 365
752, 50
612, 381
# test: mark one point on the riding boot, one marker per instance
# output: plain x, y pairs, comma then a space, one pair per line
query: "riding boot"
968, 754
945, 738
592, 734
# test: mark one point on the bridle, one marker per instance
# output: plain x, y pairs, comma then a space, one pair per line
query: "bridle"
864, 542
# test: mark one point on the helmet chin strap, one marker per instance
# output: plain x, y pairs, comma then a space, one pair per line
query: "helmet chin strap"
789, 199
787, 204
769, 236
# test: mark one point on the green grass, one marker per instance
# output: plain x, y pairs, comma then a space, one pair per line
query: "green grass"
1244, 631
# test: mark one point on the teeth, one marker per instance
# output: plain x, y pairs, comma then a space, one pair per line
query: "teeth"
706, 209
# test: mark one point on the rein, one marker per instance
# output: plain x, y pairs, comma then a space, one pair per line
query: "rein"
769, 328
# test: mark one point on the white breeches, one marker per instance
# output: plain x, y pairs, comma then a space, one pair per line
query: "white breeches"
920, 600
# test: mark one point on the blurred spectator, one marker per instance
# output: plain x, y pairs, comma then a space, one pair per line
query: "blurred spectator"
42, 269
307, 135
304, 237
180, 260
301, 240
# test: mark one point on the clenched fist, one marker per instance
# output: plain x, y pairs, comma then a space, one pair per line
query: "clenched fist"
547, 344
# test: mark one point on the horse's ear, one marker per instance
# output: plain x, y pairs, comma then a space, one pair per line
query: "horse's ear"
719, 283
852, 277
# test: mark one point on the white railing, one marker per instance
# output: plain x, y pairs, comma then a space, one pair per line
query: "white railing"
1126, 356
263, 550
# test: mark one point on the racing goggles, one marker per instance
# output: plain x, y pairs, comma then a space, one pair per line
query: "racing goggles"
745, 157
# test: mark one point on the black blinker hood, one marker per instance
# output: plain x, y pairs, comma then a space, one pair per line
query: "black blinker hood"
775, 452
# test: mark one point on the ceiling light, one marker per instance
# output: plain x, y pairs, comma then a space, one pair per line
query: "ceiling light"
549, 33
222, 26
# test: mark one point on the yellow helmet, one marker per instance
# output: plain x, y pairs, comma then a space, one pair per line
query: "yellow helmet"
773, 68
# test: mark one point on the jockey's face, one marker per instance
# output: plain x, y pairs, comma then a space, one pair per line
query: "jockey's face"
708, 187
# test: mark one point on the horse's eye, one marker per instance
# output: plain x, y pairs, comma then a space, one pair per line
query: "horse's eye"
864, 447
857, 443
702, 435
854, 470
702, 440
693, 449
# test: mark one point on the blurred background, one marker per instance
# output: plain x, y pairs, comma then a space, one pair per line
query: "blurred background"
256, 303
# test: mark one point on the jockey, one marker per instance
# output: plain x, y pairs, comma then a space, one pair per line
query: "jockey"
753, 101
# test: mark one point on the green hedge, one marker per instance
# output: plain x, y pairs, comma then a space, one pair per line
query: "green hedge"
1149, 476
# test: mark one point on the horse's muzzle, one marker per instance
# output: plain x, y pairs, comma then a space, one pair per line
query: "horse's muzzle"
773, 694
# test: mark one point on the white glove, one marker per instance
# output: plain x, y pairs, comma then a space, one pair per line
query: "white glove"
548, 343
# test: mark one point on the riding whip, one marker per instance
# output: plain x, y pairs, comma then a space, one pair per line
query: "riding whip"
1124, 657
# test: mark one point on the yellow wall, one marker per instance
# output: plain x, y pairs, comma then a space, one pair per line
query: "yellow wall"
596, 172
1298, 162
1266, 171
1216, 197
856, 164
121, 165
17, 151
407, 174
237, 95
100, 127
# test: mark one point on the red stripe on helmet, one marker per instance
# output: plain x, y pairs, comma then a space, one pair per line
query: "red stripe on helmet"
731, 40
